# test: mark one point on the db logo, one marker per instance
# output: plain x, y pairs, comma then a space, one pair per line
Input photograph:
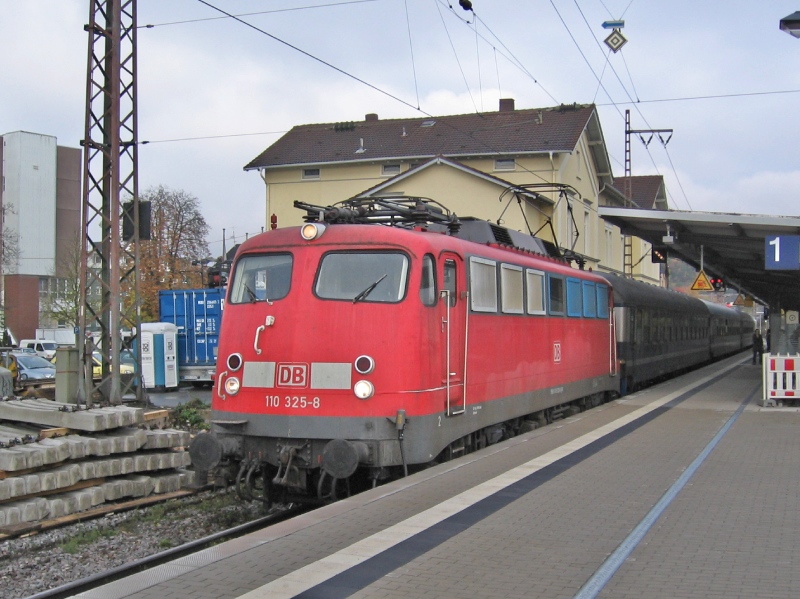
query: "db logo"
557, 352
292, 375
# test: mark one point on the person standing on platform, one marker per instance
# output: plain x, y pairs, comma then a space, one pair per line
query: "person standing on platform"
758, 346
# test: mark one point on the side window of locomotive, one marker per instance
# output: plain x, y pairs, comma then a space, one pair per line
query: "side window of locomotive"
427, 287
602, 301
555, 289
511, 288
363, 276
589, 299
534, 282
483, 284
574, 301
265, 277
450, 281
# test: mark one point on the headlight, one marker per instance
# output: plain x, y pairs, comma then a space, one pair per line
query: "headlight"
232, 385
311, 231
235, 362
364, 389
364, 364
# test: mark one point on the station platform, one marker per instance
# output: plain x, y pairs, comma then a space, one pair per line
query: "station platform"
688, 489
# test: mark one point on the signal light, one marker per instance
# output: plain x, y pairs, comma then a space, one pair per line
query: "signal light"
718, 284
658, 254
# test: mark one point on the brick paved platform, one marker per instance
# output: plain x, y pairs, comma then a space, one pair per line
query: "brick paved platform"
688, 489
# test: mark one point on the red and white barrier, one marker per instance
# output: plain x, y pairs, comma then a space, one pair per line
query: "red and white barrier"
781, 378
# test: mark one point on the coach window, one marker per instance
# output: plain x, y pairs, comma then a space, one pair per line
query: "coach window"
555, 290
574, 301
261, 278
449, 275
534, 283
511, 288
427, 287
363, 276
483, 284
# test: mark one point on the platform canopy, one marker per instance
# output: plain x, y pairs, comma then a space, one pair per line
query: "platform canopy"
733, 247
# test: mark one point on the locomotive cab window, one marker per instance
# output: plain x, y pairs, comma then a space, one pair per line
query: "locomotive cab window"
555, 291
427, 286
264, 277
363, 276
450, 281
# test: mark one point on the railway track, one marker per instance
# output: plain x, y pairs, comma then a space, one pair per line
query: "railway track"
279, 514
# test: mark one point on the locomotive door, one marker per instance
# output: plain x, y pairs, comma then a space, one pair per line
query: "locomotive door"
454, 331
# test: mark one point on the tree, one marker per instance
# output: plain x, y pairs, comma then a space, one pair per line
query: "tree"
177, 238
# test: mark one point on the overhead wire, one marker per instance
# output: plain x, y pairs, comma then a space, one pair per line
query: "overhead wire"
625, 89
513, 60
455, 54
411, 47
250, 14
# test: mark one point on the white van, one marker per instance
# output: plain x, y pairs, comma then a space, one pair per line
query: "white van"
42, 347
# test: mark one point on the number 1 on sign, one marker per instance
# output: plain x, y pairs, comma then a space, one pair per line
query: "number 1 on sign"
777, 244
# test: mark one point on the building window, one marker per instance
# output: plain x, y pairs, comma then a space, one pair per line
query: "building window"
505, 164
389, 170
310, 173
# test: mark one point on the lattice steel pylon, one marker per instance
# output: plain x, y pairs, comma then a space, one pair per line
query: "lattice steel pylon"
110, 304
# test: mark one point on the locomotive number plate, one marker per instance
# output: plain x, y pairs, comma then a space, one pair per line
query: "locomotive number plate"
293, 402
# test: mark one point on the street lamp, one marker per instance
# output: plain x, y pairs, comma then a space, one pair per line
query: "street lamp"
791, 24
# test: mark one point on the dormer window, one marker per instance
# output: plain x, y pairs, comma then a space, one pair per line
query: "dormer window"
391, 169
505, 164
310, 173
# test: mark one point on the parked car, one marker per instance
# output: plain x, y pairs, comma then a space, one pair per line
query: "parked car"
33, 369
42, 347
126, 365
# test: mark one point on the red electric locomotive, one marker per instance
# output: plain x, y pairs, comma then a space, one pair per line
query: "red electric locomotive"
388, 333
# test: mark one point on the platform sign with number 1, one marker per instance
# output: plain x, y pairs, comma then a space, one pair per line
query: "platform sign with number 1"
782, 252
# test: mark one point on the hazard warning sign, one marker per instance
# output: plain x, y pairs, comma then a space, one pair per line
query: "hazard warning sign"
701, 283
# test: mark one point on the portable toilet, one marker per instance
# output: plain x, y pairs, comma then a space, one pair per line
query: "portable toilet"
159, 351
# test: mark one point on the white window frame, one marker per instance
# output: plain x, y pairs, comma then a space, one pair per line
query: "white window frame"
505, 164
510, 274
475, 267
309, 175
542, 294
388, 170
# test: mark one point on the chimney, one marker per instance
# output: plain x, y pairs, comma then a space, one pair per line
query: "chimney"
371, 117
506, 104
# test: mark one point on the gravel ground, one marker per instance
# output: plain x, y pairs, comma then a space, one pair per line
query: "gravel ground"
32, 564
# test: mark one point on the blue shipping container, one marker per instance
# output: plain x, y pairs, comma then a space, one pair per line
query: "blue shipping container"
197, 313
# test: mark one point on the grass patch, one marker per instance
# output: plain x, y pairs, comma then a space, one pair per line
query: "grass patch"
86, 538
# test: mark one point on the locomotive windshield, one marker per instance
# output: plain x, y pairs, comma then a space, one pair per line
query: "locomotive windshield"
261, 278
363, 276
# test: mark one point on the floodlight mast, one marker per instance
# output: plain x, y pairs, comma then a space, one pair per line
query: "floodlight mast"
109, 300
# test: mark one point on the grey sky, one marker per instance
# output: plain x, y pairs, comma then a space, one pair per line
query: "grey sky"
734, 147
